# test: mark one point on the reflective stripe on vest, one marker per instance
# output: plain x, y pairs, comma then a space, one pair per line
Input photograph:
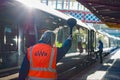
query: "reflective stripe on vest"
49, 69
34, 78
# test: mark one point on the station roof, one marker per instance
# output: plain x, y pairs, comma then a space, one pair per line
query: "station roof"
106, 10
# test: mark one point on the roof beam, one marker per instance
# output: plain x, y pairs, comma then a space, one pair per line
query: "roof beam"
115, 3
101, 7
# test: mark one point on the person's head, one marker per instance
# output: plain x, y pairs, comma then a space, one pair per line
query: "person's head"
48, 37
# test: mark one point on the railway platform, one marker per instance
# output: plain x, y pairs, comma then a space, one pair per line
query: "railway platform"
109, 70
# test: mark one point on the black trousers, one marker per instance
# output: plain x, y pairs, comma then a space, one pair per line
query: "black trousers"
99, 54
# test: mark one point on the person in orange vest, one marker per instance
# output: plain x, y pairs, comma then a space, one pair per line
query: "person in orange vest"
41, 58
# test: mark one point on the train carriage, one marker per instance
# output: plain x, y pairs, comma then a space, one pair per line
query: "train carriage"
22, 25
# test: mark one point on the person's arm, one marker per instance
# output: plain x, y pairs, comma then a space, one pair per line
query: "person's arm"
64, 49
24, 69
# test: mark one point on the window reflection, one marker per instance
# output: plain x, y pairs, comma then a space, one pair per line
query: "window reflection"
9, 38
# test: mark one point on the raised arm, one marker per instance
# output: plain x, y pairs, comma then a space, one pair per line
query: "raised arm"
64, 49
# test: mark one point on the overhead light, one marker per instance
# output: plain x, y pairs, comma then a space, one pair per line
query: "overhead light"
90, 3
94, 8
112, 18
107, 9
97, 11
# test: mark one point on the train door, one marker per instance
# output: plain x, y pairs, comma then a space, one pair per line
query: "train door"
91, 41
8, 46
27, 37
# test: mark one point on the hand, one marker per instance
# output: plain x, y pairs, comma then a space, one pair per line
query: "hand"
70, 37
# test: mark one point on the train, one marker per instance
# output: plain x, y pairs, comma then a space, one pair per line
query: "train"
23, 22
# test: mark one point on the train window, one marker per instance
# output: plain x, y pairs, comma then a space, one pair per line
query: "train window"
29, 38
9, 38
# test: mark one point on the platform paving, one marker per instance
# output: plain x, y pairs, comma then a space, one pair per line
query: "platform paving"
109, 70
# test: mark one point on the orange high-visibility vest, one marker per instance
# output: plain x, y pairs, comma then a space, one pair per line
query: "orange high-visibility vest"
42, 58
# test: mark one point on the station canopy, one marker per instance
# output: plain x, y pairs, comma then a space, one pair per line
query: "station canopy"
108, 11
